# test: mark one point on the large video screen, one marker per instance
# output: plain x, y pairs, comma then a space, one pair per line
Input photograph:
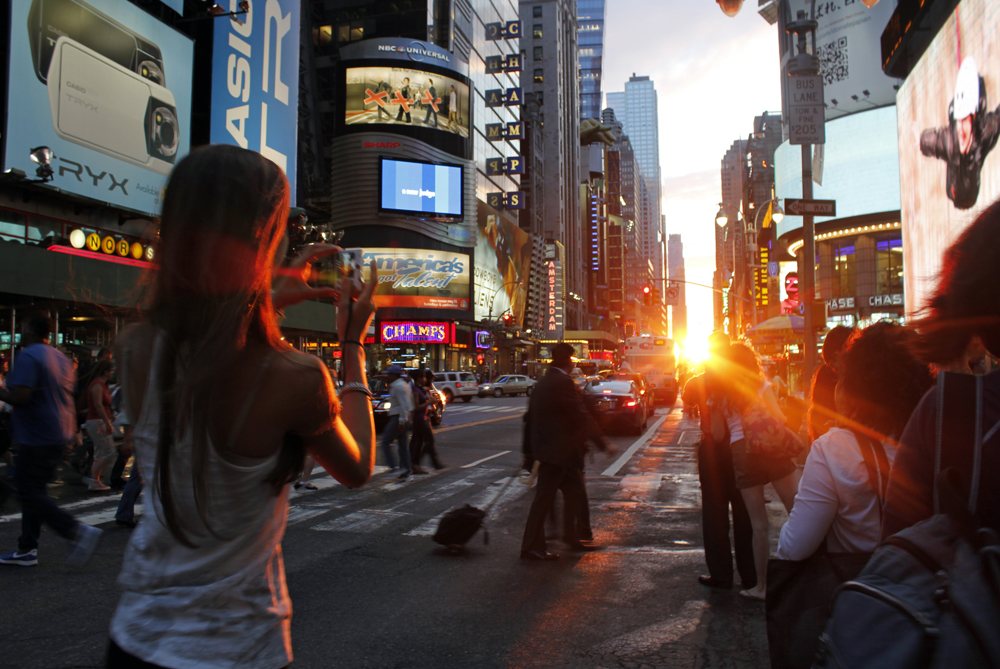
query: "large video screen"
421, 189
107, 88
949, 123
503, 265
405, 96
420, 278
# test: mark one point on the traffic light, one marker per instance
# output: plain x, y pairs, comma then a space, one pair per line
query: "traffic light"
508, 320
647, 295
656, 295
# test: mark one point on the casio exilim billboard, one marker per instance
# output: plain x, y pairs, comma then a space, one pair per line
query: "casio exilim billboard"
107, 87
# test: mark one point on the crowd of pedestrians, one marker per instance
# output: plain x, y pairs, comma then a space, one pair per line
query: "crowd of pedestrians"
877, 452
224, 418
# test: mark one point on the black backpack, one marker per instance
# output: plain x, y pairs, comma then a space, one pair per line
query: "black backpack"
930, 595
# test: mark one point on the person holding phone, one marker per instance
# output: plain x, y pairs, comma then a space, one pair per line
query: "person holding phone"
224, 413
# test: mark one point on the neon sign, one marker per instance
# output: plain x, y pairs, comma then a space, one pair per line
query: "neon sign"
415, 332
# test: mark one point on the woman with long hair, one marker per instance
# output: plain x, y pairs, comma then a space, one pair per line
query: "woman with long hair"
837, 505
224, 412
742, 386
961, 318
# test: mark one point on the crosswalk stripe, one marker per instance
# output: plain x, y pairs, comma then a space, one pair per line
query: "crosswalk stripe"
360, 521
495, 494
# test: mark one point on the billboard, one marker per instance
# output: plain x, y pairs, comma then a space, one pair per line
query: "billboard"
255, 81
111, 97
406, 96
419, 188
420, 278
848, 45
948, 123
503, 266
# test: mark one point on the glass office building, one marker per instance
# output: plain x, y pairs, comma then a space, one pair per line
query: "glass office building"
590, 34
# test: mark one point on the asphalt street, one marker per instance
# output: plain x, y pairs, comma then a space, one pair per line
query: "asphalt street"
371, 590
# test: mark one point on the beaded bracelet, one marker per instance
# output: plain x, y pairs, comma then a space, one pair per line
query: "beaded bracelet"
356, 388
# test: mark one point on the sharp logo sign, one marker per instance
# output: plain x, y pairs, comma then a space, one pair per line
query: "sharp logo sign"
255, 87
382, 145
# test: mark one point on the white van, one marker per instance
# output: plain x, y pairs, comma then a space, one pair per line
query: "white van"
455, 385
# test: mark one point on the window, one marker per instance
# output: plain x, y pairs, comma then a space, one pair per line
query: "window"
322, 35
539, 76
844, 269
536, 31
536, 11
540, 96
538, 53
889, 265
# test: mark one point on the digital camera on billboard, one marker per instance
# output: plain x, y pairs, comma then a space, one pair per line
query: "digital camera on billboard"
101, 105
48, 20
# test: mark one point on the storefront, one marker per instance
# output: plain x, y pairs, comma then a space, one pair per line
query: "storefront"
859, 267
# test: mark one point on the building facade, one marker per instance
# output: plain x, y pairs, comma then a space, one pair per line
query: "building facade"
636, 108
591, 15
678, 311
550, 53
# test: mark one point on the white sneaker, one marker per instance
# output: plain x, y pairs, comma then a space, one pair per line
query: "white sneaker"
96, 486
83, 545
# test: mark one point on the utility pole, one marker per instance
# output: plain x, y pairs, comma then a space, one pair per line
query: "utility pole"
806, 126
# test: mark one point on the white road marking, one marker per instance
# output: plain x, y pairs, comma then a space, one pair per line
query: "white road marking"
627, 455
495, 495
104, 516
360, 521
689, 438
639, 486
479, 462
298, 514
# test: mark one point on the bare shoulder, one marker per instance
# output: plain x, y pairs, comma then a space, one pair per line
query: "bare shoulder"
300, 376
304, 390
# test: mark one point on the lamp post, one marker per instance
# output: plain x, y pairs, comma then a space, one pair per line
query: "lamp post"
490, 317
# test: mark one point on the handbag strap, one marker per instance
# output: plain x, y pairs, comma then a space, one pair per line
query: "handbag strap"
877, 465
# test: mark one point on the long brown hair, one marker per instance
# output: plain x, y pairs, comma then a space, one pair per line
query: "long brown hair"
965, 302
223, 214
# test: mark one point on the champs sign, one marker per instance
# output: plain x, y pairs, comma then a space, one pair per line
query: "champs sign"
412, 332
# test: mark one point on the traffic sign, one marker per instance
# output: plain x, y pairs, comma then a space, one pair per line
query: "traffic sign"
810, 207
806, 116
672, 295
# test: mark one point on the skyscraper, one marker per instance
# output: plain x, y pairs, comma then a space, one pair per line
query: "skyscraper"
636, 108
550, 75
733, 165
591, 15
678, 312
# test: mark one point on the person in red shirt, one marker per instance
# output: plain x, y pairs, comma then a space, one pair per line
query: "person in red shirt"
99, 424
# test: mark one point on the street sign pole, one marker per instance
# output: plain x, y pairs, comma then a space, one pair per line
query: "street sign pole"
806, 126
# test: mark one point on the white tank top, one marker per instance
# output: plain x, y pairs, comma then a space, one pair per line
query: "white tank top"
224, 603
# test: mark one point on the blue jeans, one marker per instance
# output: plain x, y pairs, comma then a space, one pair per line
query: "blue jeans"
34, 467
126, 505
393, 432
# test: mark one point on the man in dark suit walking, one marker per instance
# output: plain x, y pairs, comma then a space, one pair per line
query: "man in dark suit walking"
559, 426
718, 486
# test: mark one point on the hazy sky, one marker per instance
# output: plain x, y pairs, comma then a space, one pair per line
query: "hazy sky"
713, 74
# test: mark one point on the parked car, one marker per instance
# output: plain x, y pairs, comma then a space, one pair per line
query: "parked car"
620, 403
512, 384
456, 385
639, 379
579, 378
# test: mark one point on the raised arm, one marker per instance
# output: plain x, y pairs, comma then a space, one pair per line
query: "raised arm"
813, 513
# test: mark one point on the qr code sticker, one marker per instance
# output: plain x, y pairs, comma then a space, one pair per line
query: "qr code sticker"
833, 61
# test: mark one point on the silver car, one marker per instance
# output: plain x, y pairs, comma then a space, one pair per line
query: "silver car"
512, 384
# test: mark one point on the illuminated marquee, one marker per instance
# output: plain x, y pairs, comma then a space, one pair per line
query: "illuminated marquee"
416, 332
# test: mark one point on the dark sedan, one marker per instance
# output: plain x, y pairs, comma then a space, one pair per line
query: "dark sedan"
619, 403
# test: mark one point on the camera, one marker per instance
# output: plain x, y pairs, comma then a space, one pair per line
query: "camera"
103, 106
49, 20
344, 263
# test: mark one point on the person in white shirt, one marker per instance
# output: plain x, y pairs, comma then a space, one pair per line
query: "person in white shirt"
401, 399
839, 502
